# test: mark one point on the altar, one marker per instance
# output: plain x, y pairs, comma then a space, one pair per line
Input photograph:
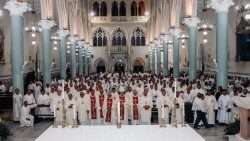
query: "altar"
126, 133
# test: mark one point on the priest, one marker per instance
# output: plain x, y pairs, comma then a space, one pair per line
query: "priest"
145, 106
82, 108
134, 107
109, 110
26, 118
163, 105
123, 99
43, 104
70, 105
17, 104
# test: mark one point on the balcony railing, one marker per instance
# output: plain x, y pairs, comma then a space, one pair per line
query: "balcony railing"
119, 19
119, 49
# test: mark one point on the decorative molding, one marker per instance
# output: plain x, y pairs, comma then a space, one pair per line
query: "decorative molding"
220, 5
191, 22
175, 31
62, 33
17, 8
73, 39
46, 24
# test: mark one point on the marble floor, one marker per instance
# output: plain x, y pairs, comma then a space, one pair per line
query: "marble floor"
31, 133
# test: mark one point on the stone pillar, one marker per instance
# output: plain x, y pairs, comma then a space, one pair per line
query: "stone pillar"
192, 50
221, 9
81, 45
164, 39
149, 60
158, 56
16, 12
86, 69
153, 61
63, 59
176, 68
73, 40
46, 26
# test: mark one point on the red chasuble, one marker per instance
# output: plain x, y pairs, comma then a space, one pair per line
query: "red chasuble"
135, 108
109, 109
93, 107
101, 101
122, 106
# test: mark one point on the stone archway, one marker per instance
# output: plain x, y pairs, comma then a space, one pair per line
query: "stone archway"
119, 65
138, 65
100, 65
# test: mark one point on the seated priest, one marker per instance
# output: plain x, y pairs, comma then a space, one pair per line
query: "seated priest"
26, 118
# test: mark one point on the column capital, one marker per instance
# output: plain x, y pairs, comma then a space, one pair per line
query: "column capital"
175, 31
62, 33
46, 24
220, 5
73, 39
17, 8
191, 22
165, 37
80, 43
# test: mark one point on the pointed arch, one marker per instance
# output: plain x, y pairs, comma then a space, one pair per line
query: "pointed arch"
99, 37
139, 62
119, 37
122, 9
103, 9
142, 9
114, 8
138, 36
133, 8
96, 9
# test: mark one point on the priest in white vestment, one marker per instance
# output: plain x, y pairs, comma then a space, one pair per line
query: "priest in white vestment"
43, 103
224, 108
163, 105
82, 108
26, 118
145, 106
210, 105
17, 104
29, 98
179, 108
70, 105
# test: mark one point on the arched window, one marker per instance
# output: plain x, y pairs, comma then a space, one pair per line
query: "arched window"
133, 8
114, 8
141, 9
138, 37
96, 9
119, 37
122, 9
103, 9
99, 37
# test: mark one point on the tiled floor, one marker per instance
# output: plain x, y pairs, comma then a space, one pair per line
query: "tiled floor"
31, 133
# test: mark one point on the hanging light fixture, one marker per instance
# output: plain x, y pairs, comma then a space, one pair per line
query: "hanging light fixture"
32, 27
205, 26
55, 39
243, 9
183, 37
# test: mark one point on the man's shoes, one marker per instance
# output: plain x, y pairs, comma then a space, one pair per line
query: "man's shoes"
196, 128
208, 126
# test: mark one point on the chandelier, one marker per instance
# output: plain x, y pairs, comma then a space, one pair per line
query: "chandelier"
55, 38
183, 37
32, 26
243, 9
205, 26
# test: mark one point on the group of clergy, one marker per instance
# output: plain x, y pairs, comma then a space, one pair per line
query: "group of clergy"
105, 99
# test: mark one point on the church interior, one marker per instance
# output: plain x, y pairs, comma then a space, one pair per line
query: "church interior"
132, 70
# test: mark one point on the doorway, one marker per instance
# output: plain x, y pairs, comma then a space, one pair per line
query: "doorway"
138, 65
119, 66
100, 66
